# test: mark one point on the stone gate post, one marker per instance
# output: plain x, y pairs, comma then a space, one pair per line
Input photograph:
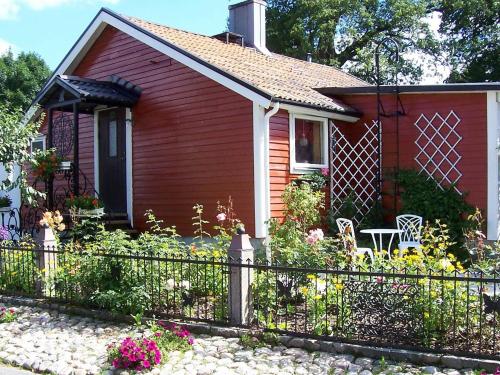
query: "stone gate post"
45, 258
241, 254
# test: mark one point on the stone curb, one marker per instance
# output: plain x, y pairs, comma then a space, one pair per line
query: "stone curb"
423, 358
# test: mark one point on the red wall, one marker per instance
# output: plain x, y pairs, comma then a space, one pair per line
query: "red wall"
192, 138
470, 108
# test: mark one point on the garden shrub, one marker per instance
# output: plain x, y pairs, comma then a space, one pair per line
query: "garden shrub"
294, 240
423, 196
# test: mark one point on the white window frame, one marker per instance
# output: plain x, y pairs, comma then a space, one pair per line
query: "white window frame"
302, 168
39, 138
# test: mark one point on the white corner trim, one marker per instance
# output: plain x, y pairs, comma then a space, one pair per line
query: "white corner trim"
128, 166
76, 54
301, 168
259, 176
318, 113
96, 150
493, 131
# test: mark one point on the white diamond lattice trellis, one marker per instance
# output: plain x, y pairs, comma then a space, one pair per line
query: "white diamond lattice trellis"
353, 170
437, 148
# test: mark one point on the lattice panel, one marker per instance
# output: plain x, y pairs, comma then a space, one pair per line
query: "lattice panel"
353, 170
437, 148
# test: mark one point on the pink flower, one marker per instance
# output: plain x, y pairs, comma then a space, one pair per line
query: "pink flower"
314, 236
221, 216
325, 171
380, 279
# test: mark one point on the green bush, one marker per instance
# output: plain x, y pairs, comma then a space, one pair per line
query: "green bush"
423, 196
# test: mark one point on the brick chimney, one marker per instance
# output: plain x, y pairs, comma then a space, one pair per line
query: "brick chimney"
248, 18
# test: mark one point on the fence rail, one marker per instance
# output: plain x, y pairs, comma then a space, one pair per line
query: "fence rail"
457, 313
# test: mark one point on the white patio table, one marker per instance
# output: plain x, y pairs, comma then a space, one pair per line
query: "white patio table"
380, 232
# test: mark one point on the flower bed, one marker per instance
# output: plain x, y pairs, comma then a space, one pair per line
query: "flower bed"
7, 315
147, 352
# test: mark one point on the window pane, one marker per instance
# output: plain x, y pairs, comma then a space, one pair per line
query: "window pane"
308, 139
37, 145
112, 139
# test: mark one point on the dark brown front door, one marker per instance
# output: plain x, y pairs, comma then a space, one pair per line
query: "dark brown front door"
112, 168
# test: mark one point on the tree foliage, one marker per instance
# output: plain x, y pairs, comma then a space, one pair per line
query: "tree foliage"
21, 78
344, 33
15, 138
472, 39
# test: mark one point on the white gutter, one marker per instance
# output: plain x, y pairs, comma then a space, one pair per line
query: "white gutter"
267, 164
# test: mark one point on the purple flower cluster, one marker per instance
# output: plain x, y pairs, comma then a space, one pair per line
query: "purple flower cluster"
177, 330
4, 233
137, 355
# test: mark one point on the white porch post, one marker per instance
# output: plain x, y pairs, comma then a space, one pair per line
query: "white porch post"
493, 142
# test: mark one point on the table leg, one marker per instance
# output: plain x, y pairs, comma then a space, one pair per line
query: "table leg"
374, 242
390, 243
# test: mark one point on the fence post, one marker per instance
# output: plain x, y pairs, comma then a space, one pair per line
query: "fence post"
46, 257
240, 253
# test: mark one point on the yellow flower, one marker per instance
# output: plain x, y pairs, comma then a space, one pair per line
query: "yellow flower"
433, 294
317, 297
426, 315
311, 277
423, 281
339, 286
304, 290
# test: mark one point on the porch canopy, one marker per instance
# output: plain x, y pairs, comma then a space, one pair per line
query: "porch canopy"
79, 95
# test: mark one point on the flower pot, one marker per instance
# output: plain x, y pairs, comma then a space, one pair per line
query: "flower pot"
5, 210
96, 212
65, 166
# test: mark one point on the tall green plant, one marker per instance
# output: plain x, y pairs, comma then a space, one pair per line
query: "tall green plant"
421, 195
15, 138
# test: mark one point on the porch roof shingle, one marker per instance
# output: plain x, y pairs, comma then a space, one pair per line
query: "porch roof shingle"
283, 78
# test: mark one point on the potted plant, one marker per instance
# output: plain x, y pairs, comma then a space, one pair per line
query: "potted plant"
45, 164
85, 205
5, 202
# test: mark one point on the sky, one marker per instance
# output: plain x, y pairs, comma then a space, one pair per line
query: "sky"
51, 27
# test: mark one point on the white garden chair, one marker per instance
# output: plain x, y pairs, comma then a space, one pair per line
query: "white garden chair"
346, 229
411, 228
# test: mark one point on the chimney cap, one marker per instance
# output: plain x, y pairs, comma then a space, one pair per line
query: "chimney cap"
243, 3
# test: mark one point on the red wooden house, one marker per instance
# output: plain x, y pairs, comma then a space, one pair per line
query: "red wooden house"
158, 118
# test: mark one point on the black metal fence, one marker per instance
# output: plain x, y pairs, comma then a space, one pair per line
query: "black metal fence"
437, 311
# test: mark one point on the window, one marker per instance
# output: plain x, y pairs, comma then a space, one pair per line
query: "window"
308, 143
113, 141
38, 144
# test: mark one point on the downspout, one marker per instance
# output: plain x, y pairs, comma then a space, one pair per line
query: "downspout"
267, 164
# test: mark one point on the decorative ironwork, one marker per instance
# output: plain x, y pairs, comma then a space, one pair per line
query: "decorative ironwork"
437, 144
382, 310
62, 130
354, 169
21, 222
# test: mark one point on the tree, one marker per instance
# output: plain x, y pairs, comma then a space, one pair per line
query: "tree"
472, 31
21, 78
344, 33
15, 138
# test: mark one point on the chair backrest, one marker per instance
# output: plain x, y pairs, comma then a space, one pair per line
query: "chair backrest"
411, 227
346, 229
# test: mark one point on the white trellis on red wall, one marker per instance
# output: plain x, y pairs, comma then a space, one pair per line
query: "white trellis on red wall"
354, 170
437, 147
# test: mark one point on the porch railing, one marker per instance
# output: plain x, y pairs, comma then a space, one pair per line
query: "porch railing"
25, 219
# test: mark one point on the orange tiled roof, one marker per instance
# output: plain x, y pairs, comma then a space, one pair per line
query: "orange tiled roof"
279, 76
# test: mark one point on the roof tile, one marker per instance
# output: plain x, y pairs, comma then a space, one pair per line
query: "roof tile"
279, 76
